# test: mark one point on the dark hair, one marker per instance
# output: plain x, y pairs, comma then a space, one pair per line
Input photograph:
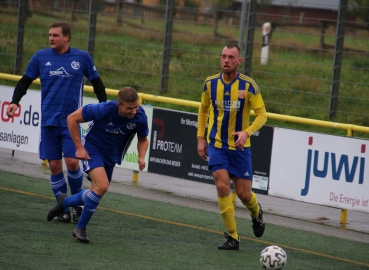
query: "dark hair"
232, 45
127, 94
65, 29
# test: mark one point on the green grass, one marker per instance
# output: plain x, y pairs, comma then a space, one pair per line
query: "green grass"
134, 233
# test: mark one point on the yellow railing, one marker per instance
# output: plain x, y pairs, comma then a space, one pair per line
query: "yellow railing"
292, 119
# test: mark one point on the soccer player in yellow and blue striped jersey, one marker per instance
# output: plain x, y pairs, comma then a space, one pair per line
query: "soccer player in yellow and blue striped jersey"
226, 102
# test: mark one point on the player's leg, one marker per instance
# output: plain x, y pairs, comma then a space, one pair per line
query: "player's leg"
100, 172
75, 175
100, 182
79, 198
242, 176
50, 149
65, 201
218, 164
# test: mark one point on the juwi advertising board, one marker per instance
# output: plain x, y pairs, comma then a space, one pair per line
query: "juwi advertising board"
321, 169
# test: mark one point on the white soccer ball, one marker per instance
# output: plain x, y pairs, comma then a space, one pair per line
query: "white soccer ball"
273, 257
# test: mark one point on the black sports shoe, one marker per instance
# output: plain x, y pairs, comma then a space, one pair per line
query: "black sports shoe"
230, 244
258, 224
58, 208
80, 235
63, 218
77, 212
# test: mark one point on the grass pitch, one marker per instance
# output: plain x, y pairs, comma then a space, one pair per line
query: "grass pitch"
128, 232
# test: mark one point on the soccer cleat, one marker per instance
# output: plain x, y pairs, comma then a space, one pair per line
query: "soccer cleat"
63, 218
77, 211
80, 235
230, 244
258, 224
58, 208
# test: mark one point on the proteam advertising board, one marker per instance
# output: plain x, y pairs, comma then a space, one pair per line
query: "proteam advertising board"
320, 169
173, 146
173, 150
22, 132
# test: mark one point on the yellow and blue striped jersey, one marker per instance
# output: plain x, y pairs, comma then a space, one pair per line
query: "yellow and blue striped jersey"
227, 106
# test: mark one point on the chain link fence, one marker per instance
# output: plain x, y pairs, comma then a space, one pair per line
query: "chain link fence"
316, 65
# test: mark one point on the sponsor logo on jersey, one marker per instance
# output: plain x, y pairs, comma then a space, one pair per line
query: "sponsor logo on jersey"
59, 72
48, 63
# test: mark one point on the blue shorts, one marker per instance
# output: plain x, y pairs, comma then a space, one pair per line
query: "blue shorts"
238, 162
54, 142
97, 160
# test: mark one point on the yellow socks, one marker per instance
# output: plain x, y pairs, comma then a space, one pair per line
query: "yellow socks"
227, 211
253, 206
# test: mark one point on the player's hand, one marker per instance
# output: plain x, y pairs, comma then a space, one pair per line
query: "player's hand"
242, 138
141, 163
12, 108
202, 149
82, 154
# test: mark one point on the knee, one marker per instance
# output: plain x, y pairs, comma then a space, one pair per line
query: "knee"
55, 166
101, 189
72, 164
245, 195
222, 189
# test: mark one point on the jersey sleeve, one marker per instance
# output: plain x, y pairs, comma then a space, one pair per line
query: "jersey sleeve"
255, 98
94, 111
203, 110
90, 71
32, 70
143, 131
257, 104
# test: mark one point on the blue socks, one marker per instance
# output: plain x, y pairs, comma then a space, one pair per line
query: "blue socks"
75, 179
91, 203
59, 186
75, 200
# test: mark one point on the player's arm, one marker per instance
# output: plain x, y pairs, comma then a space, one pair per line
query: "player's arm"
19, 91
73, 121
142, 145
202, 120
99, 89
259, 121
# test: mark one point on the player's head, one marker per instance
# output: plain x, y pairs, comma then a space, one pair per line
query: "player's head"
65, 29
59, 36
230, 58
128, 102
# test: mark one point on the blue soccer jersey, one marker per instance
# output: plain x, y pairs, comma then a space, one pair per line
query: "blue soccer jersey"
62, 81
111, 133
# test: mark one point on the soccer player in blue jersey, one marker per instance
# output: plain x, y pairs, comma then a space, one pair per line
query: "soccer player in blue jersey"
113, 126
226, 102
61, 70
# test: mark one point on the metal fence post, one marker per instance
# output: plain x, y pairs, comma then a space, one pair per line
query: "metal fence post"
251, 21
22, 16
92, 28
169, 17
242, 26
337, 62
